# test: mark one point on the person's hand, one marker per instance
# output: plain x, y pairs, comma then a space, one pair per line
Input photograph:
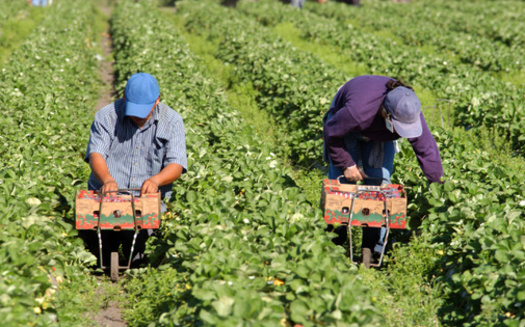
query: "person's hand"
354, 174
109, 186
149, 186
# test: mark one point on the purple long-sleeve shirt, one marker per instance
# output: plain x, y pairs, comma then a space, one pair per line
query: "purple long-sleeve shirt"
357, 108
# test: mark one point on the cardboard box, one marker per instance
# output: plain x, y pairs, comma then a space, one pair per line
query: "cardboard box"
369, 206
117, 211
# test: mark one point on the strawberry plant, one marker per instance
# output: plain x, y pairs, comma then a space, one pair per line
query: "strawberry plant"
241, 245
44, 91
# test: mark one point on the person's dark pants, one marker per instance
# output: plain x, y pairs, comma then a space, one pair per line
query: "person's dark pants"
112, 241
351, 2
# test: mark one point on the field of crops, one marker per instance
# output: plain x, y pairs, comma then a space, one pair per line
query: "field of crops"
243, 241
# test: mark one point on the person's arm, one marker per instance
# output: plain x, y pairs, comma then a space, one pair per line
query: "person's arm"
99, 143
334, 131
100, 170
175, 160
167, 175
427, 153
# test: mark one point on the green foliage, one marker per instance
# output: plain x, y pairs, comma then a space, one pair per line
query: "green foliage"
15, 30
243, 246
44, 92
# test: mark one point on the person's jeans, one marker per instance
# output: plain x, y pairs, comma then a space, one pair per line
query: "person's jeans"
360, 151
298, 3
39, 3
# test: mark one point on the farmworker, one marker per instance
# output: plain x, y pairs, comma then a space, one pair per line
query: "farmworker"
42, 3
135, 142
298, 3
351, 2
367, 115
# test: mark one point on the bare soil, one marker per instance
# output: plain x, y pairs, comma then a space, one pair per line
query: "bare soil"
106, 68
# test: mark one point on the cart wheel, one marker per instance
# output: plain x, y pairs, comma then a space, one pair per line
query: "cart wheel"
114, 266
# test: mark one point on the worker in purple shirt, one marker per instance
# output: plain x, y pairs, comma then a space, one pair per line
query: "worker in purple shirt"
367, 115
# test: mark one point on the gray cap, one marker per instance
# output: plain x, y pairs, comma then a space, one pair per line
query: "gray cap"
405, 108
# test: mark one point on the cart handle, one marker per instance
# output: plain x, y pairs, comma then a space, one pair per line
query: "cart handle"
382, 179
135, 228
122, 190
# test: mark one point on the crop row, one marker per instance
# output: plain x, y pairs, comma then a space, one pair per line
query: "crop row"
293, 86
493, 19
241, 245
11, 8
465, 33
479, 99
45, 91
477, 207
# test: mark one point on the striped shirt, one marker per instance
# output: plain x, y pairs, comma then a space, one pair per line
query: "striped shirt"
134, 154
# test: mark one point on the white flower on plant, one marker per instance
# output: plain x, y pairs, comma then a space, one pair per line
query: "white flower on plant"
246, 221
230, 283
522, 203
33, 202
444, 63
251, 277
67, 59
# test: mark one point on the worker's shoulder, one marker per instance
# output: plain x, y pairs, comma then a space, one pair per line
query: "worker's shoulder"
168, 114
111, 111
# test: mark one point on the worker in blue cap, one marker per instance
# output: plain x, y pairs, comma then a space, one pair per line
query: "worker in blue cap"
137, 142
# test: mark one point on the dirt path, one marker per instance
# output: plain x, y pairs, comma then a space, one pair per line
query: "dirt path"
110, 312
106, 67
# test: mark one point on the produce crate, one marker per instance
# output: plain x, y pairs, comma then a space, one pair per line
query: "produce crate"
368, 207
115, 211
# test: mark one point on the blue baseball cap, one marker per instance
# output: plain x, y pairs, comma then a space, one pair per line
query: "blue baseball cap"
404, 107
142, 91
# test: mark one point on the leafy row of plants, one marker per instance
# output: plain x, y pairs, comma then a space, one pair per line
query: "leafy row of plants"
240, 245
478, 98
46, 92
475, 221
17, 20
10, 9
465, 38
292, 85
